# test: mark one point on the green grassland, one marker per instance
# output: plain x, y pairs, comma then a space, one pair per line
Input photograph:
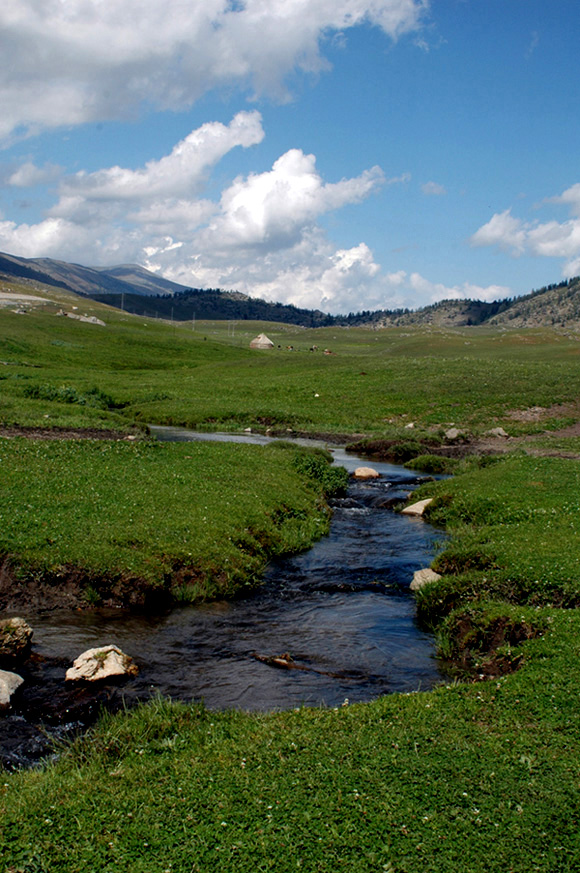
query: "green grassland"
63, 373
472, 776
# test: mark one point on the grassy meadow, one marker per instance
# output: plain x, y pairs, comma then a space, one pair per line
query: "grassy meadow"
481, 774
62, 373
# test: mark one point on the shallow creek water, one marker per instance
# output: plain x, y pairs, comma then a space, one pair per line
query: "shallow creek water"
342, 610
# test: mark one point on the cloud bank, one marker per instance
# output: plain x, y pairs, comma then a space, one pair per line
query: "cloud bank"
261, 236
68, 63
72, 62
550, 239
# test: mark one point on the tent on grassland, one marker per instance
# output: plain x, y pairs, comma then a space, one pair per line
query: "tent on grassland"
261, 342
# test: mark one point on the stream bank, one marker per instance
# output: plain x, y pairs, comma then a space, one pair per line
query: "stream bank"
342, 613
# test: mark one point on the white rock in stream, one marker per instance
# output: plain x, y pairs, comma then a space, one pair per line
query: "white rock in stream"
423, 577
417, 508
9, 682
365, 473
101, 663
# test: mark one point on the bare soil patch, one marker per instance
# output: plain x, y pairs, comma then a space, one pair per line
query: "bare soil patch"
485, 651
63, 433
542, 413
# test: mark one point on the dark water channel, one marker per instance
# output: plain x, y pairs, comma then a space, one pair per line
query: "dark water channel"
342, 610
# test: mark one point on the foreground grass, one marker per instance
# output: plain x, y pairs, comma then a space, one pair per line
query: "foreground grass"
468, 777
127, 519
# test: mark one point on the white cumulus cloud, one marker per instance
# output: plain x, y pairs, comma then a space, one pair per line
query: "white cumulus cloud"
178, 173
271, 209
28, 174
432, 292
261, 236
503, 230
67, 63
553, 239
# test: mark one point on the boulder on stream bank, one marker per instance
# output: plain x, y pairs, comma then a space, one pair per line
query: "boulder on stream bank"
417, 508
423, 577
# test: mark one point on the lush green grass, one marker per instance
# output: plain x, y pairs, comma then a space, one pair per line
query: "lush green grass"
375, 382
470, 776
193, 518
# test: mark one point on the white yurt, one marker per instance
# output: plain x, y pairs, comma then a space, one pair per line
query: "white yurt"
261, 342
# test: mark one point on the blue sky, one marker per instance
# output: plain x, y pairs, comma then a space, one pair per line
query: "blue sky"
338, 154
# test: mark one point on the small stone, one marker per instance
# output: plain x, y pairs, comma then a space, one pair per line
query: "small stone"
423, 577
452, 434
417, 508
9, 682
410, 425
101, 663
498, 432
365, 473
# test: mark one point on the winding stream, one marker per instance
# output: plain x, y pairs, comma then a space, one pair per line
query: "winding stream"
342, 610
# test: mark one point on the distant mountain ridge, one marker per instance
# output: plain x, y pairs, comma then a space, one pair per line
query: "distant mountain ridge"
139, 277
138, 290
123, 279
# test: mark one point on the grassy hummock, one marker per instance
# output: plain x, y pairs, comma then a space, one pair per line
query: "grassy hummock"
515, 525
139, 522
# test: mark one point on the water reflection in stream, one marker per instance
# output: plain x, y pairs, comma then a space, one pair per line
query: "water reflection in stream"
342, 610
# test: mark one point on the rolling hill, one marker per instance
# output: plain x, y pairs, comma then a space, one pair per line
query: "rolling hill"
142, 292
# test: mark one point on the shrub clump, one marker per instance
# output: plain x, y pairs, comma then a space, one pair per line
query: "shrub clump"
93, 397
315, 464
432, 464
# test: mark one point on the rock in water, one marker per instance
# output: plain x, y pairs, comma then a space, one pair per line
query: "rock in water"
417, 508
15, 636
101, 663
9, 682
423, 577
365, 473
